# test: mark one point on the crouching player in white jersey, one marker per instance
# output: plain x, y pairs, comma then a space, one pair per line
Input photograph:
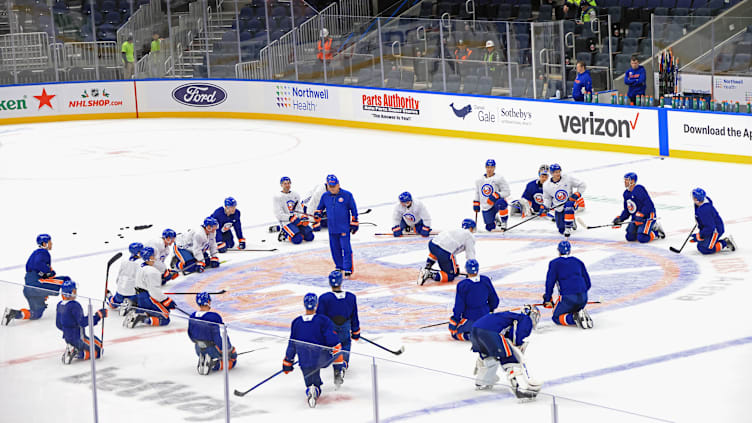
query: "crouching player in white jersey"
162, 247
309, 204
490, 196
563, 194
532, 198
203, 330
293, 222
499, 338
153, 305
443, 248
410, 216
125, 297
197, 247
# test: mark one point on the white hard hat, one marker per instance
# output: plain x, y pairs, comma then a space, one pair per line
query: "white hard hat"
490, 43
324, 33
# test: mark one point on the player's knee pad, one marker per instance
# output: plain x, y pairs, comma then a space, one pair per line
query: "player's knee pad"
644, 238
631, 233
490, 226
297, 239
308, 235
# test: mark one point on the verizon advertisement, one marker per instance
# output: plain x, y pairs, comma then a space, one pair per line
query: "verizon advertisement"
710, 132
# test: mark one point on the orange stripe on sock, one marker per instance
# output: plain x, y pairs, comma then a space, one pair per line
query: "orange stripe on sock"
26, 314
563, 320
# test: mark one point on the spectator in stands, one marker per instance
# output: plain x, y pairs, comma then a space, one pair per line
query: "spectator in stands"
583, 84
128, 58
461, 54
156, 42
572, 8
325, 46
635, 79
492, 58
588, 12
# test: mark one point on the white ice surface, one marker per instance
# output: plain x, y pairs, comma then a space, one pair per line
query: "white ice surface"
679, 353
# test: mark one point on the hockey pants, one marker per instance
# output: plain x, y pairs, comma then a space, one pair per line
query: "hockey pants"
216, 353
567, 306
712, 244
447, 263
339, 244
489, 216
225, 240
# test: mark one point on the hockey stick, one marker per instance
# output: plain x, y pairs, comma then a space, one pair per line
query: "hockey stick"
244, 393
113, 259
250, 351
520, 223
194, 293
685, 241
182, 311
434, 325
407, 234
366, 211
398, 352
367, 223
252, 249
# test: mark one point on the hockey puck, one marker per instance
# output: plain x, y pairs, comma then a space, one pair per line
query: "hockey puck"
263, 240
74, 233
107, 242
122, 229
663, 158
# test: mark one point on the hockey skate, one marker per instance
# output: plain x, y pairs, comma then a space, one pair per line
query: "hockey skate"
205, 364
347, 274
659, 230
339, 378
312, 392
502, 225
8, 315
582, 319
523, 394
567, 232
174, 263
125, 307
133, 318
424, 275
730, 244
70, 353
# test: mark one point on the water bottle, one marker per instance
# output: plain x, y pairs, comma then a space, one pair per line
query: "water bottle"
660, 104
736, 107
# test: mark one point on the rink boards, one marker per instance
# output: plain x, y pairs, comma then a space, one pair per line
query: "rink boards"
683, 134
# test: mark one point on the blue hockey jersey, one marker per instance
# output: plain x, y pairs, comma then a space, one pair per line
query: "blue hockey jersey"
311, 329
340, 307
504, 321
570, 274
224, 219
637, 200
474, 299
340, 208
708, 219
200, 331
534, 194
39, 261
71, 320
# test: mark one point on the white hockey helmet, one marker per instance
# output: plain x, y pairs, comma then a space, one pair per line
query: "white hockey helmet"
490, 43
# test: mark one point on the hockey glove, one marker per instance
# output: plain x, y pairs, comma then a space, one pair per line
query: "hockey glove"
168, 275
397, 231
287, 365
543, 212
454, 324
575, 196
304, 220
425, 231
617, 221
547, 303
695, 238
102, 313
476, 206
214, 262
200, 266
241, 244
169, 304
354, 226
295, 220
226, 227
47, 275
356, 335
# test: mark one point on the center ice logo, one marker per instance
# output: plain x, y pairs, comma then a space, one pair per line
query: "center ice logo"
486, 190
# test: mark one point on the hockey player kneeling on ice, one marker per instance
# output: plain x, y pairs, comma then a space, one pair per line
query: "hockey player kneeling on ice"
313, 339
203, 329
310, 202
410, 216
125, 297
637, 204
490, 195
197, 248
443, 248
162, 247
531, 201
71, 320
559, 194
499, 339
710, 226
40, 282
228, 217
153, 305
570, 275
475, 298
293, 222
342, 308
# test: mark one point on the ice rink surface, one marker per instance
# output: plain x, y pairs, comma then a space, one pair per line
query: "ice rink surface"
672, 339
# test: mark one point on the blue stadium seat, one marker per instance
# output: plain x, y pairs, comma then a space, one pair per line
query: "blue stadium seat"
636, 29
742, 62
586, 57
629, 46
723, 62
470, 85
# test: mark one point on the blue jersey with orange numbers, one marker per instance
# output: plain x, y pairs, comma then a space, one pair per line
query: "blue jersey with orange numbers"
340, 307
474, 298
570, 274
637, 200
708, 219
311, 329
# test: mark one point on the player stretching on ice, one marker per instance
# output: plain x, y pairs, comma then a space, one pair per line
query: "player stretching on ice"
40, 283
125, 297
71, 320
311, 335
293, 222
196, 247
342, 308
342, 213
410, 216
574, 283
162, 248
443, 248
490, 195
153, 305
309, 205
532, 198
559, 194
203, 329
710, 226
475, 298
228, 217
499, 338
637, 203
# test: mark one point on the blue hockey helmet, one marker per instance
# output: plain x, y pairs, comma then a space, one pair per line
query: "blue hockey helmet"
42, 238
230, 202
135, 248
405, 197
554, 167
631, 176
310, 301
203, 298
472, 267
468, 223
331, 180
147, 253
491, 162
210, 221
335, 279
168, 233
698, 194
284, 179
68, 287
564, 248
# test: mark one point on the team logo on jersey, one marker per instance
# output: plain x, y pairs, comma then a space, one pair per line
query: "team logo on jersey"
631, 206
561, 195
409, 217
538, 198
486, 190
341, 200
290, 205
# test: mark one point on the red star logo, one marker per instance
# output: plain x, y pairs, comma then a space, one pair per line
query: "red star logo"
44, 99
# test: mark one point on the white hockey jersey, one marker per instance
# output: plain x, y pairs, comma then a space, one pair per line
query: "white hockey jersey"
150, 279
161, 252
456, 241
556, 193
126, 278
411, 215
485, 187
286, 205
197, 242
312, 199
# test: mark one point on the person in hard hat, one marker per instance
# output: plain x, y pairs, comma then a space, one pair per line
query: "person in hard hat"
324, 46
491, 58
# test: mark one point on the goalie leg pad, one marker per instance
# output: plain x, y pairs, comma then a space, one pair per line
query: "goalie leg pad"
485, 372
